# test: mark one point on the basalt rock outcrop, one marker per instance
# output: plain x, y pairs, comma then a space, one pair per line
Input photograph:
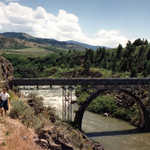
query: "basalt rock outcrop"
65, 138
6, 69
6, 72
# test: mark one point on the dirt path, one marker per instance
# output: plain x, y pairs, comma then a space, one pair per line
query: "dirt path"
2, 131
15, 136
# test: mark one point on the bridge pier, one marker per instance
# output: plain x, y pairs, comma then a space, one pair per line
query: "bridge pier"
67, 113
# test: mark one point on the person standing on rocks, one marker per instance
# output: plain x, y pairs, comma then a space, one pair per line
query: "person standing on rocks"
4, 96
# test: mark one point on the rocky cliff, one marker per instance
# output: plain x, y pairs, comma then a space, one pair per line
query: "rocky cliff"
6, 72
6, 69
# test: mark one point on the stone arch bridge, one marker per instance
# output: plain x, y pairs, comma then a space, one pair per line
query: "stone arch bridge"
101, 85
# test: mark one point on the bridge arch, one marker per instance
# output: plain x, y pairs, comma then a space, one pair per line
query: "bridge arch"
144, 115
106, 83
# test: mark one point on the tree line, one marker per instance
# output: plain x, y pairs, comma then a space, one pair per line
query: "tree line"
134, 58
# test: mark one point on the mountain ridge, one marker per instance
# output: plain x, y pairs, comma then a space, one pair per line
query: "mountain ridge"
15, 43
84, 44
73, 45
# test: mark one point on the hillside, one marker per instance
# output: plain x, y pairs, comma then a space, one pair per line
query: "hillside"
14, 43
43, 41
20, 46
15, 136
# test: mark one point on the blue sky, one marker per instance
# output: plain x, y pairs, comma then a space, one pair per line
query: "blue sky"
98, 22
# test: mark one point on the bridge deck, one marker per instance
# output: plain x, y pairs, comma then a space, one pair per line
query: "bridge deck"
80, 81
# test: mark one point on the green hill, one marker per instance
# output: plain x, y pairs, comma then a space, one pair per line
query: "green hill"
43, 41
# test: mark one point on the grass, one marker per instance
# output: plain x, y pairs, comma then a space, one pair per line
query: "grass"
28, 51
109, 74
58, 72
7, 133
3, 144
13, 95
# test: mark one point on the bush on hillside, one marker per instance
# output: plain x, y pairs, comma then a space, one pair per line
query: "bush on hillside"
36, 103
20, 110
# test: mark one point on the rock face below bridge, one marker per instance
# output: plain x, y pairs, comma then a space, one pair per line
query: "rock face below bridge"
6, 70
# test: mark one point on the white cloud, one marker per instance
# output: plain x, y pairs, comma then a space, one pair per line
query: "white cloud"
110, 37
64, 26
11, 1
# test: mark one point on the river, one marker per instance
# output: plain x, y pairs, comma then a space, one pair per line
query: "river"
114, 134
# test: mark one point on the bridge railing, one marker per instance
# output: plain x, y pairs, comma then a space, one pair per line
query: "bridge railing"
79, 81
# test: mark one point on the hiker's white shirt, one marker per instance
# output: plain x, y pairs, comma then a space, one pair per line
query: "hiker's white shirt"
4, 96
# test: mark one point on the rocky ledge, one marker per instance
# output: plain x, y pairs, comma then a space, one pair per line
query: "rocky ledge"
6, 71
64, 137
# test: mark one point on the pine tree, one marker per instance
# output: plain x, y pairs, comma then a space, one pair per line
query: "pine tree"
133, 72
119, 51
148, 54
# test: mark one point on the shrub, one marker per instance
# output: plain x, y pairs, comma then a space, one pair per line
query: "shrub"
37, 123
50, 71
25, 113
18, 109
37, 104
103, 104
33, 113
50, 113
122, 113
82, 97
